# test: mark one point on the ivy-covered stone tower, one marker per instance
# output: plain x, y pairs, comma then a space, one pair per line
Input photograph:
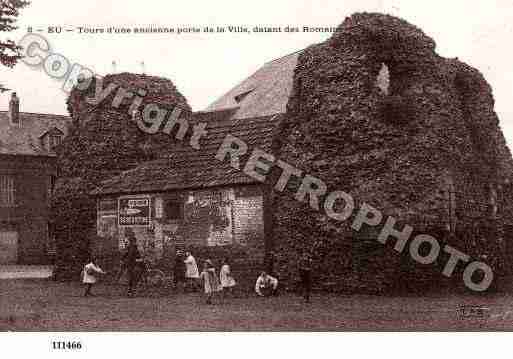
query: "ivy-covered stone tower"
376, 112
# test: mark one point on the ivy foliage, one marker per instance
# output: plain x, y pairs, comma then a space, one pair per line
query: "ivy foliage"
103, 141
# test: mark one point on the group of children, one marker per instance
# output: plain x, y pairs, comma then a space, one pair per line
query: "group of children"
265, 285
212, 283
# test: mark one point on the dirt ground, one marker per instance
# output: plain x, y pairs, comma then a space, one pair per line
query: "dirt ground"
42, 305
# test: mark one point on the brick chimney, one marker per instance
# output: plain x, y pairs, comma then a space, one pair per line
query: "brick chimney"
14, 110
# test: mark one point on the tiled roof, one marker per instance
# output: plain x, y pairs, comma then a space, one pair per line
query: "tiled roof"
251, 111
25, 139
189, 168
264, 93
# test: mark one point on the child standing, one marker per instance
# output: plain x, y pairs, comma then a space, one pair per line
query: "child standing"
210, 280
179, 271
225, 276
91, 270
191, 271
305, 274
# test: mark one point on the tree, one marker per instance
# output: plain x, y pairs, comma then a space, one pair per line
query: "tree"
10, 52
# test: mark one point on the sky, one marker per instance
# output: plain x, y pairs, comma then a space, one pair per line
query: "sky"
204, 66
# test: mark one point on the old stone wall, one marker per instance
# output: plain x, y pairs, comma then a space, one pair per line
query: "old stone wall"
406, 149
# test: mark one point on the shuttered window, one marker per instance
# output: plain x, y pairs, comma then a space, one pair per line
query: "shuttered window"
7, 192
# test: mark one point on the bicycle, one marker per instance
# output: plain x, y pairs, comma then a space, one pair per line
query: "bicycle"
147, 276
150, 274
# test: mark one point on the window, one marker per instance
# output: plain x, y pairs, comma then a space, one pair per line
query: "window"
55, 141
173, 209
7, 191
51, 186
51, 244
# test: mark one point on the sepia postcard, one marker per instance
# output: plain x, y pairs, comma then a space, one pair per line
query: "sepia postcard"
170, 168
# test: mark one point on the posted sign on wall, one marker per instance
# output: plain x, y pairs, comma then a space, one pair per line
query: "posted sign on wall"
134, 211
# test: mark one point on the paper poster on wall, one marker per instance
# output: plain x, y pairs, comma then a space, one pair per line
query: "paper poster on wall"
107, 226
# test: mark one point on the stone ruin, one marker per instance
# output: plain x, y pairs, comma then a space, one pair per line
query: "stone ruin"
376, 112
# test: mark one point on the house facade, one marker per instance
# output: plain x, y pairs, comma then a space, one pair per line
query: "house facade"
192, 201
27, 173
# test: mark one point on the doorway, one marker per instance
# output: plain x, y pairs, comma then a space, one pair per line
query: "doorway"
8, 247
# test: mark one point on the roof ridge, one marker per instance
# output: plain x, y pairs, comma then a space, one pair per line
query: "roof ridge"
201, 112
284, 56
272, 84
39, 113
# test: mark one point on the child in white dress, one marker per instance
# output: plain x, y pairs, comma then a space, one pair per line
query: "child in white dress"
210, 281
90, 273
226, 278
